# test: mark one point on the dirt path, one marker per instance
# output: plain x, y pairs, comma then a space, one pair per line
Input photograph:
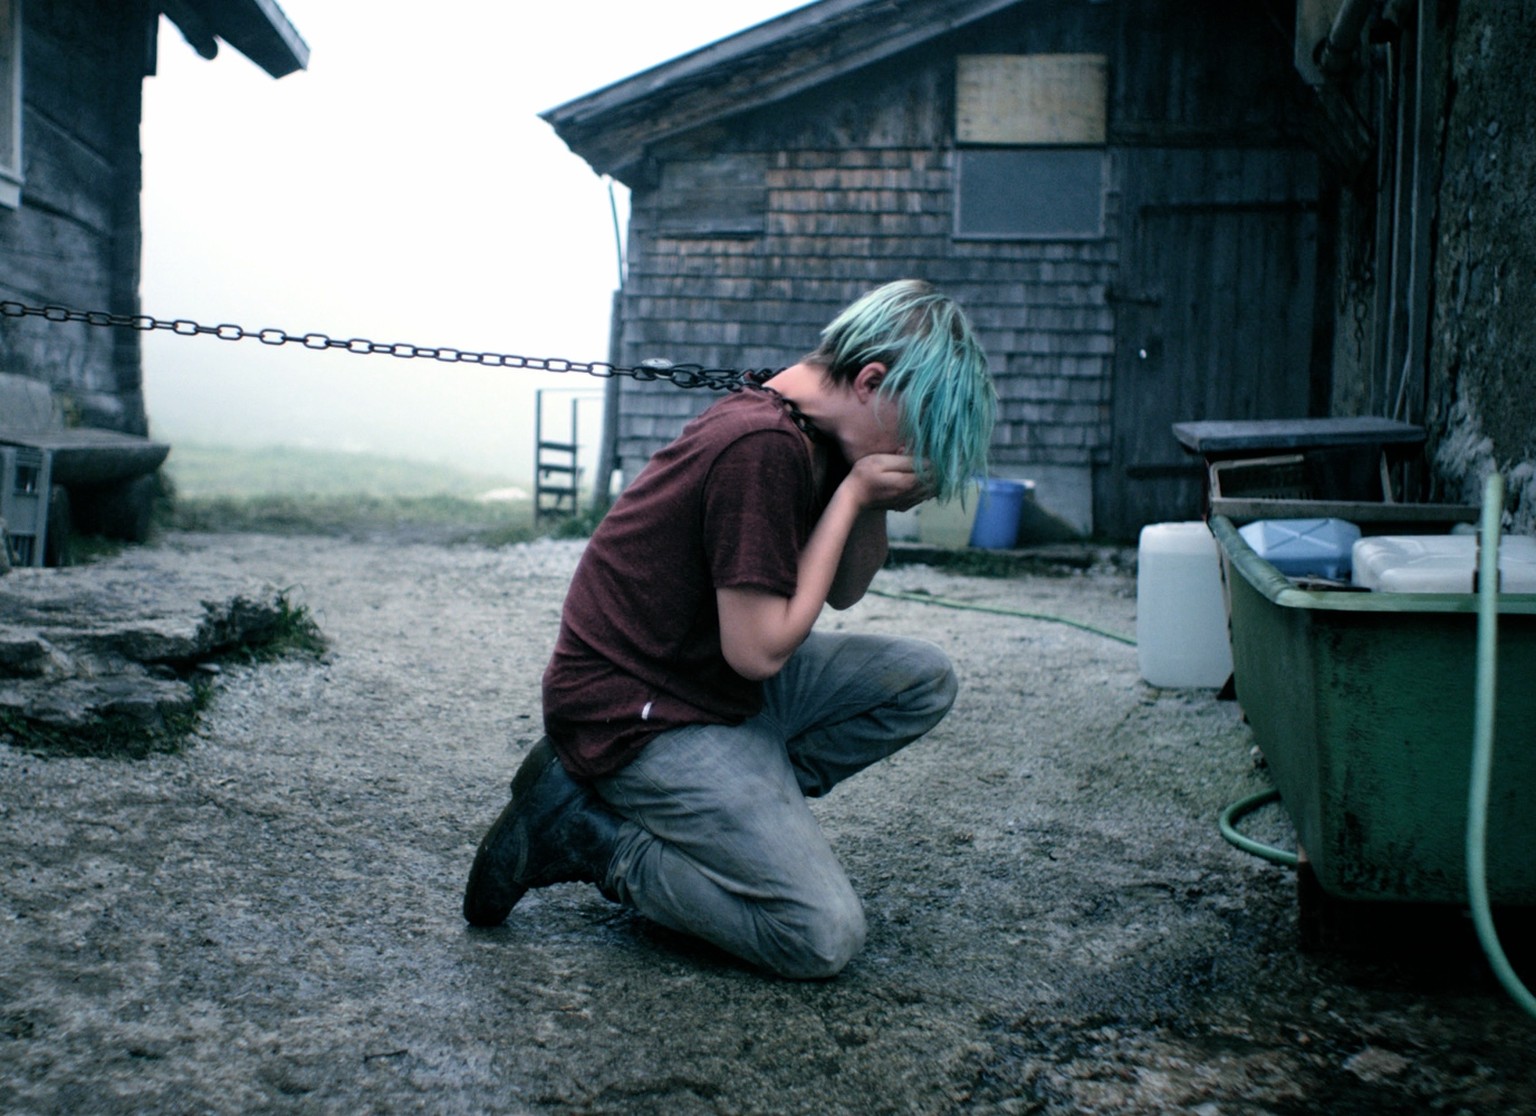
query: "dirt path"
268, 921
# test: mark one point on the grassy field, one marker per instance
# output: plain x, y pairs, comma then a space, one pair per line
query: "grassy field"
293, 491
200, 471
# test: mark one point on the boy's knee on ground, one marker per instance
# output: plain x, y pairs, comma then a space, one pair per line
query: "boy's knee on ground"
821, 945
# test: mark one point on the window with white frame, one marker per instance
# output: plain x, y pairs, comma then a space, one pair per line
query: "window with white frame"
10, 103
1030, 132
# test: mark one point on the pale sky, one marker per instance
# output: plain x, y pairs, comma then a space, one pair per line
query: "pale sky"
402, 189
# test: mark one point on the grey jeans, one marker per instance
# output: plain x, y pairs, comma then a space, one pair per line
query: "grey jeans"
724, 845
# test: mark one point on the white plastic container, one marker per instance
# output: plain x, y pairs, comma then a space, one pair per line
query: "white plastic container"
1181, 611
1440, 563
947, 525
1304, 547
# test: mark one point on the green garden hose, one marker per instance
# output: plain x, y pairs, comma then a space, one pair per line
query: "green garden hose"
1482, 744
1242, 808
944, 602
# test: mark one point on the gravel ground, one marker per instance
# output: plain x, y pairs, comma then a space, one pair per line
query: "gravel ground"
267, 921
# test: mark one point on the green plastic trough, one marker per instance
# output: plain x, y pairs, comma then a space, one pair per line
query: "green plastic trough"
1363, 704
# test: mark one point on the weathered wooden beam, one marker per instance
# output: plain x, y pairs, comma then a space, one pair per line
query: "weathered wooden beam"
258, 29
193, 27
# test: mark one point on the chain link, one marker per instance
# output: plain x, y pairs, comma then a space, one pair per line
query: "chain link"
679, 375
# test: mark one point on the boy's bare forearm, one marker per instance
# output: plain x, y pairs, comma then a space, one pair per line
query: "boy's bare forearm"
760, 631
863, 556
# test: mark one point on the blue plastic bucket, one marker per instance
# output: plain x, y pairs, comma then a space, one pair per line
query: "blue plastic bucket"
998, 509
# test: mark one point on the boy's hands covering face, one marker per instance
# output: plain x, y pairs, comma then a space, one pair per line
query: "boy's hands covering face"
887, 482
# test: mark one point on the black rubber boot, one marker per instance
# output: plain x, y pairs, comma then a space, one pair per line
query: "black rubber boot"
553, 831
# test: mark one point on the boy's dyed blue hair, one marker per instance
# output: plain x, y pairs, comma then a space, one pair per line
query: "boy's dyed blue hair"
933, 363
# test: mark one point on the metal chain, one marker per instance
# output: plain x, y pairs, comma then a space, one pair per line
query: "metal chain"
679, 375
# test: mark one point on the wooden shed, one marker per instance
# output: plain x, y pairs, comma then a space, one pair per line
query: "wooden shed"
73, 446
71, 76
1120, 192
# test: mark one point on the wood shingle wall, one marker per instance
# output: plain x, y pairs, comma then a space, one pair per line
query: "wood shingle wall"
75, 238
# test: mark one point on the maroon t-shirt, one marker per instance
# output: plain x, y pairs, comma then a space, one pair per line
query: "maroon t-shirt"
729, 504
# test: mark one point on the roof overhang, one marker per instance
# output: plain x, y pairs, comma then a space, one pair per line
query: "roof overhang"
612, 127
258, 29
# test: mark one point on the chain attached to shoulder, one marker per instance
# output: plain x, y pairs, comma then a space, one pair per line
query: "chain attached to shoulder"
758, 381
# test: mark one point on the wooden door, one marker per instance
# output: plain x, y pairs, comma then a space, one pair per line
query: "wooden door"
1214, 316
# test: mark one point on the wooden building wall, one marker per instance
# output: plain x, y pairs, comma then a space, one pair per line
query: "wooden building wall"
747, 238
74, 240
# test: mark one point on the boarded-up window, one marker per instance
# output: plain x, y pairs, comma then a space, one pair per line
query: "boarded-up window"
1030, 98
1030, 130
10, 103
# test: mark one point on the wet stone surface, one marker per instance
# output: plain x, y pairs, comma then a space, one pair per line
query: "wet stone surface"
267, 921
117, 652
